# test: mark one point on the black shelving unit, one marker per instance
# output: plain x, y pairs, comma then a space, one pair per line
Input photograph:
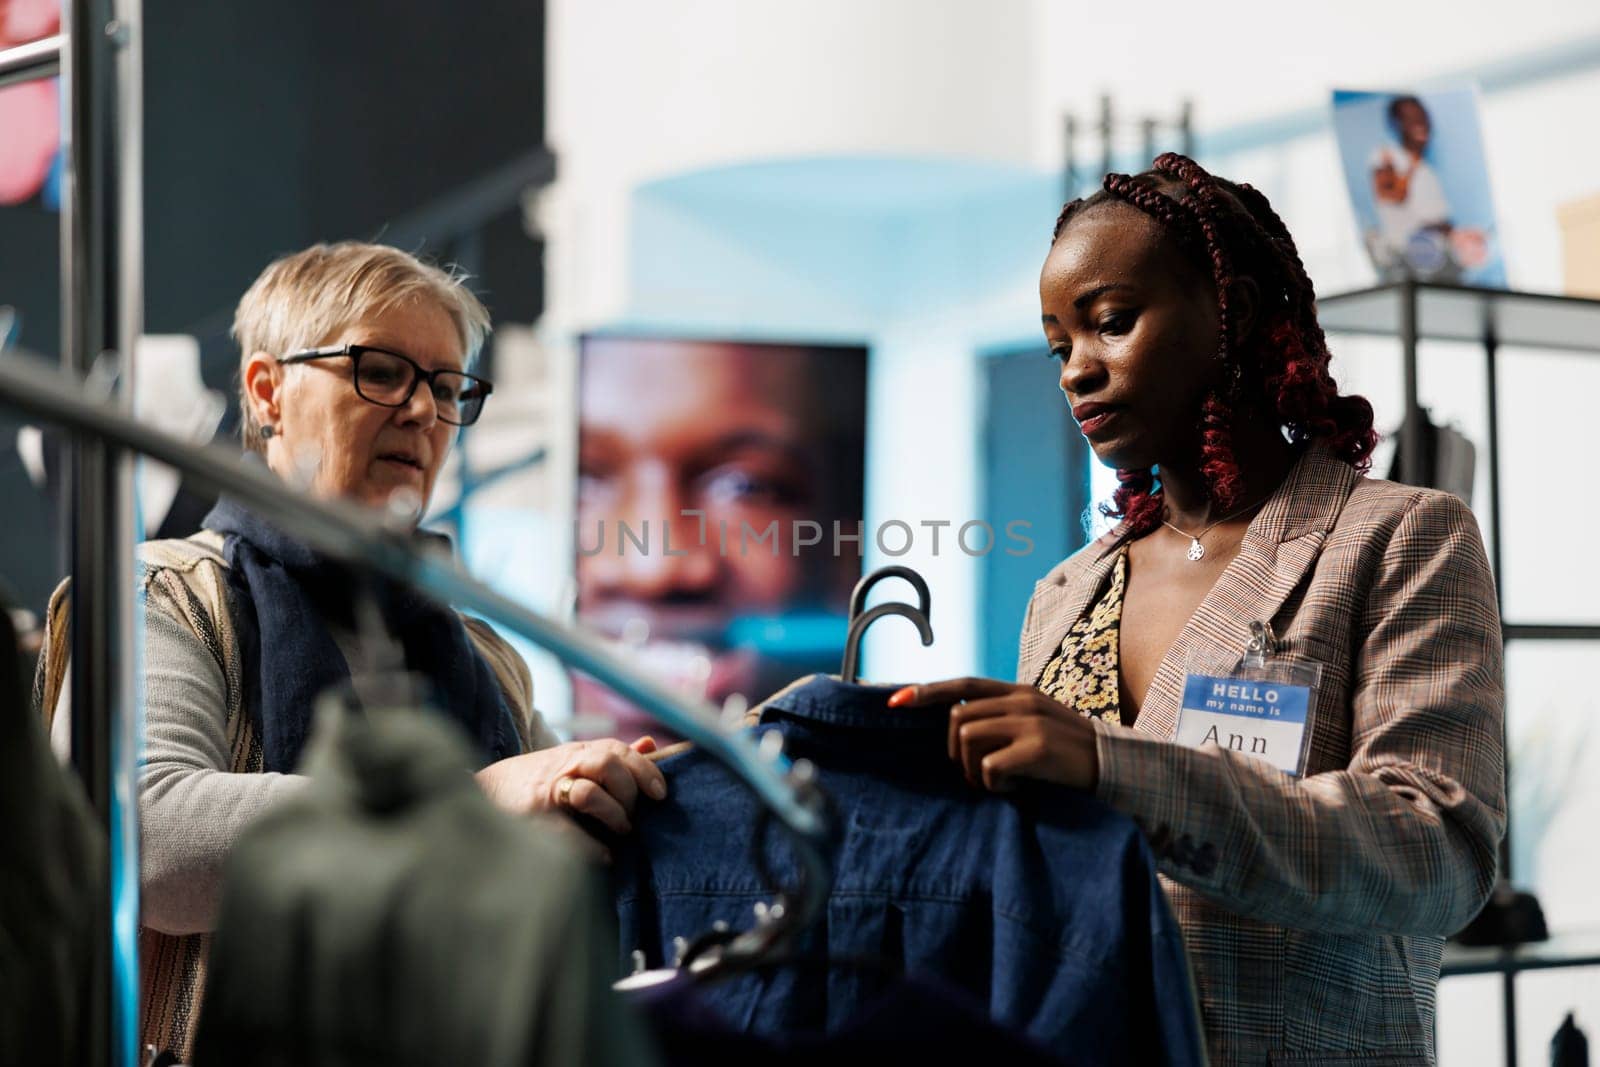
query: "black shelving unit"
1570, 949
1413, 312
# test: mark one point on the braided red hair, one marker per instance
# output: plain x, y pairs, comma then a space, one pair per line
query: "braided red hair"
1232, 232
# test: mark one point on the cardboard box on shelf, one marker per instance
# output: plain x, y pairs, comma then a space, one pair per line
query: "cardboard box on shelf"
1580, 246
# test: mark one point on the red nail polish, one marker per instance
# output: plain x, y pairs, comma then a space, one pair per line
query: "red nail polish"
902, 697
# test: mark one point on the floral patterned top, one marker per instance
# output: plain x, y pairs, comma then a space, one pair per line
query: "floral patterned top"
1084, 672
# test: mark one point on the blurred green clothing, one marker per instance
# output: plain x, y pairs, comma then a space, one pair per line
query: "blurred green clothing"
389, 913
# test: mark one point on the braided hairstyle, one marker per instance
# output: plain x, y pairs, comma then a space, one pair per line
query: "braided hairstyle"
1279, 372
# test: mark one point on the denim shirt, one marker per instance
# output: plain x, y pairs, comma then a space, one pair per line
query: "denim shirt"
1042, 905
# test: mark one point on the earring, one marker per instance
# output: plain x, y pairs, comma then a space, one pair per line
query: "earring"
268, 430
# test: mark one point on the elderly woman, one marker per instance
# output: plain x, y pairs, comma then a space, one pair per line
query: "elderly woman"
355, 376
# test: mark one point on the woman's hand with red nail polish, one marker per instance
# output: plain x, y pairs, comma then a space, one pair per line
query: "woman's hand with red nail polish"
1000, 732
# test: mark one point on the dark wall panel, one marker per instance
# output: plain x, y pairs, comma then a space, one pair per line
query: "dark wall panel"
269, 126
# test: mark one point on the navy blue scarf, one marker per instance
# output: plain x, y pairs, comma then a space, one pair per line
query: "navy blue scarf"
283, 595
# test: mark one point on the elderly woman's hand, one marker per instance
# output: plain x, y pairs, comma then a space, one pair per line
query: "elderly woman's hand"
1000, 732
601, 779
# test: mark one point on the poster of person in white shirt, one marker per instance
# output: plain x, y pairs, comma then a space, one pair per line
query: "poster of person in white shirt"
1415, 168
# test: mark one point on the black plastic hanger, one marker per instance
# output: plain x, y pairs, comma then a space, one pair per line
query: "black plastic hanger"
858, 627
858, 595
718, 953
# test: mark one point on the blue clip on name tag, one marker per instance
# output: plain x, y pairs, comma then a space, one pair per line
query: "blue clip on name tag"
1260, 708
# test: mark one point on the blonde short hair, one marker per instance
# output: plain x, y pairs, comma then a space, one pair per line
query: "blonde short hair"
304, 299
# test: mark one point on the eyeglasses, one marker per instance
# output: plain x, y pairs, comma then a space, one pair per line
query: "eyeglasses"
389, 380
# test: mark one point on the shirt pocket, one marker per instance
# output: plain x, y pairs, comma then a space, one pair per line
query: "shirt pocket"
1329, 745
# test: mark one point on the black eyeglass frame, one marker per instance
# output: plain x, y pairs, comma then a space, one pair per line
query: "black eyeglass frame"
418, 375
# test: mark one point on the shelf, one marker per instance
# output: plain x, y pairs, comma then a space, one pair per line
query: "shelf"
1409, 312
1526, 631
1464, 313
1576, 948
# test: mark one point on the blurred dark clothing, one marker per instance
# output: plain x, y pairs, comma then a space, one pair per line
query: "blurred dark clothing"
52, 885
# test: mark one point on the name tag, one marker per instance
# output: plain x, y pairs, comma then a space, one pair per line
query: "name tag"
1252, 716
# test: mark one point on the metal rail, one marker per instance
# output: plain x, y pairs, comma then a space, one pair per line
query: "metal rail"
102, 258
31, 61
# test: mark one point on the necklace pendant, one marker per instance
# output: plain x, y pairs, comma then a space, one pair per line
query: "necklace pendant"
1197, 551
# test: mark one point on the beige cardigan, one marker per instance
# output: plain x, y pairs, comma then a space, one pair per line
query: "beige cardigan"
201, 778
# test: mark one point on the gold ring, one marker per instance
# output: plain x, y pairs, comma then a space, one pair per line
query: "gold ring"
564, 791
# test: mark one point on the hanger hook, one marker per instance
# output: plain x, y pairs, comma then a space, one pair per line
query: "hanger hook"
858, 595
858, 627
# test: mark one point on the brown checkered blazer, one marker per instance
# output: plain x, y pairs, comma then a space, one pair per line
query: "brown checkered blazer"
1315, 909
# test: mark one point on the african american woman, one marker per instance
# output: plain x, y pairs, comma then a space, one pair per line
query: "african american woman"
1289, 674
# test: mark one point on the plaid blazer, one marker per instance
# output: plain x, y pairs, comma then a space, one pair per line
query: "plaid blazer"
1314, 909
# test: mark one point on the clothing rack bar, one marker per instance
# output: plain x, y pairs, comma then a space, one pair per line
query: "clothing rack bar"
1410, 427
102, 300
1491, 388
123, 40
31, 61
1522, 631
1491, 368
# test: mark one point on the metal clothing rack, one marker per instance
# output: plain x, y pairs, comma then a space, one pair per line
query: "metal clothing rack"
1416, 311
99, 58
360, 538
98, 55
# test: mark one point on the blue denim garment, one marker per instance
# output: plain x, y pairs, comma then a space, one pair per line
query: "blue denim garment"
915, 1019
1043, 906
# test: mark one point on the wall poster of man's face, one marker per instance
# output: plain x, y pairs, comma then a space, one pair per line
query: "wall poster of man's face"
718, 517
